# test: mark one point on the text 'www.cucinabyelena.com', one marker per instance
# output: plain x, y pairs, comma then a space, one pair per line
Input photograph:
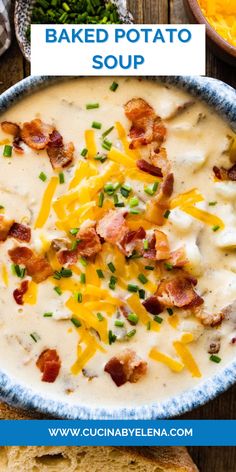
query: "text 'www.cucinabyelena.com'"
120, 432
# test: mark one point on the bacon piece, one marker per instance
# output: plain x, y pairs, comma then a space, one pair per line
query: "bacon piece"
20, 232
17, 145
89, 243
159, 159
37, 267
225, 174
60, 155
10, 128
210, 319
178, 292
157, 207
152, 305
178, 258
36, 134
126, 367
67, 256
19, 292
168, 186
112, 227
148, 168
146, 125
132, 240
161, 245
49, 364
5, 226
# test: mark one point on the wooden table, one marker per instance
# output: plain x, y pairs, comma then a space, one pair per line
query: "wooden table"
13, 68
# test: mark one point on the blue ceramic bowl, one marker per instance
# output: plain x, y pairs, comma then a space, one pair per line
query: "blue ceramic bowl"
223, 99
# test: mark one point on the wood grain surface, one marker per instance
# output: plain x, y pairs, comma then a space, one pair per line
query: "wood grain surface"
13, 68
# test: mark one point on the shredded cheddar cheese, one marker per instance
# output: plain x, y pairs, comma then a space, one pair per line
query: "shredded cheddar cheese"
204, 216
221, 15
5, 275
46, 203
30, 297
187, 358
158, 356
90, 143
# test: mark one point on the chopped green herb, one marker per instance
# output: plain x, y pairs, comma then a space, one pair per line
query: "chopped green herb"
111, 188
65, 273
119, 204
169, 311
35, 336
92, 106
114, 86
100, 157
149, 267
151, 189
125, 191
212, 203
215, 358
106, 145
61, 178
108, 131
112, 283
119, 323
74, 231
100, 317
78, 297
141, 293
132, 288
111, 337
168, 266
130, 334
58, 290
100, 200
19, 271
215, 228
145, 244
155, 186
82, 278
111, 266
65, 6
134, 255
42, 176
49, 314
84, 152
57, 275
100, 273
76, 322
83, 261
158, 319
148, 325
134, 201
7, 150
133, 318
96, 125
115, 198
134, 212
167, 214
74, 245
142, 278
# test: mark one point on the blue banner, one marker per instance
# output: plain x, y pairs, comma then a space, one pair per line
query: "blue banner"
118, 433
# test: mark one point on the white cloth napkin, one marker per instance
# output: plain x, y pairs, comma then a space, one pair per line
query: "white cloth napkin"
5, 30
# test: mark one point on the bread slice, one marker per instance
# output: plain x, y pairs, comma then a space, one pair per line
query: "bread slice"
95, 459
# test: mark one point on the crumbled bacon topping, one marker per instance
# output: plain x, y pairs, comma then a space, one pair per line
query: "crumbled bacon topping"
60, 155
161, 246
20, 232
37, 266
67, 256
89, 243
49, 364
178, 258
18, 293
36, 134
148, 168
225, 174
126, 367
178, 291
5, 226
10, 128
133, 240
159, 159
112, 227
152, 305
210, 319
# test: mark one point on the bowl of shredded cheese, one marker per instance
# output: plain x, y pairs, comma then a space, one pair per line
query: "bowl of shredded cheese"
219, 16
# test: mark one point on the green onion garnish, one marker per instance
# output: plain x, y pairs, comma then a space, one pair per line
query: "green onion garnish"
42, 176
76, 322
92, 106
100, 157
169, 311
106, 145
145, 244
112, 283
78, 297
35, 336
119, 204
100, 200
166, 214
134, 212
96, 125
83, 261
119, 323
100, 273
74, 245
111, 188
82, 278
158, 319
130, 334
134, 201
212, 203
132, 288
111, 266
151, 189
61, 178
125, 191
215, 228
115, 198
19, 271
133, 318
74, 231
48, 314
149, 267
58, 290
114, 86
100, 317
65, 273
108, 131
141, 293
65, 6
142, 278
148, 325
84, 152
168, 266
215, 358
111, 337
7, 151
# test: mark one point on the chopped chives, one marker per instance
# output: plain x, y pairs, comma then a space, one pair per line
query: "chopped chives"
158, 319
19, 271
48, 314
82, 278
106, 145
155, 186
74, 245
149, 267
132, 288
111, 266
83, 261
145, 244
142, 278
215, 358
112, 283
134, 212
133, 318
151, 189
114, 86
125, 191
58, 290
134, 255
76, 322
119, 204
134, 201
168, 266
100, 157
108, 131
111, 188
42, 176
169, 311
66, 272
100, 273
212, 203
119, 323
74, 231
7, 150
66, 6
78, 297
61, 178
100, 200
100, 317
96, 125
84, 152
111, 337
57, 275
166, 214
92, 106
148, 325
116, 199
130, 334
141, 293
215, 228
35, 336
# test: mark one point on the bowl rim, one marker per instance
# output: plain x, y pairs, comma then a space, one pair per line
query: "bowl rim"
211, 32
222, 98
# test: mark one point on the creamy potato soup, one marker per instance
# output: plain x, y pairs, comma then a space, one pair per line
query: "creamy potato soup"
118, 239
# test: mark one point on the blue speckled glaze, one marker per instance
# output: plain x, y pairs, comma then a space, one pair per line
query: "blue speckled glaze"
223, 99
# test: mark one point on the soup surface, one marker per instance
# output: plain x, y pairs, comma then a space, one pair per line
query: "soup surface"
118, 238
